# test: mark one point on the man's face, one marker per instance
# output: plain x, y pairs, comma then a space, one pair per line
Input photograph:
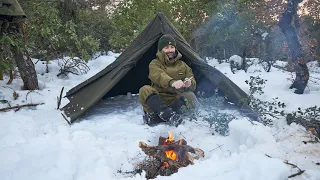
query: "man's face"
169, 50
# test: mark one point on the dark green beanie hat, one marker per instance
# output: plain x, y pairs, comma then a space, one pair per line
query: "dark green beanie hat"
166, 40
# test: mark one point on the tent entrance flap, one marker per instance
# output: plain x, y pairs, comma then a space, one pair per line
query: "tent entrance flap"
136, 77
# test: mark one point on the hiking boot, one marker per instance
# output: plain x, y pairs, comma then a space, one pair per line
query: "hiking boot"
159, 107
170, 116
177, 104
152, 119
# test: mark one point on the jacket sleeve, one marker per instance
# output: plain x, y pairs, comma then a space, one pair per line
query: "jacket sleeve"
158, 76
189, 74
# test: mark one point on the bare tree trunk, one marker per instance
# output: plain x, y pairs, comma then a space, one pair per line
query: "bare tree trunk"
14, 24
26, 69
25, 65
301, 69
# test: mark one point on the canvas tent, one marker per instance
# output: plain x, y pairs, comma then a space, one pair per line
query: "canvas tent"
129, 72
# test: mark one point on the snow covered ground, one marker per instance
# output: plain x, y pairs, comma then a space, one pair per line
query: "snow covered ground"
38, 144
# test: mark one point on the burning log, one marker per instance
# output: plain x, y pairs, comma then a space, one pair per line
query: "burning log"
168, 156
174, 154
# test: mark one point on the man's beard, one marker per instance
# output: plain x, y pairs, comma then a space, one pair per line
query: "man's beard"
171, 55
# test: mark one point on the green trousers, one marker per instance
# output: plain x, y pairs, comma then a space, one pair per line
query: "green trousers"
147, 90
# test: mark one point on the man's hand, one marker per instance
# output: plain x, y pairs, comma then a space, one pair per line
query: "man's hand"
187, 82
178, 84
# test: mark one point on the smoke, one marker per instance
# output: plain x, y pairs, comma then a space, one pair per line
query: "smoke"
229, 32
214, 36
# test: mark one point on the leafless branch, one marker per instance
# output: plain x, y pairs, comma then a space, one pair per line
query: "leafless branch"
59, 98
74, 66
19, 107
219, 147
293, 165
31, 92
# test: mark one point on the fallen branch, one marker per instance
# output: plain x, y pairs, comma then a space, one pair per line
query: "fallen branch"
65, 72
32, 91
296, 174
268, 156
294, 166
219, 147
8, 87
19, 106
59, 98
130, 173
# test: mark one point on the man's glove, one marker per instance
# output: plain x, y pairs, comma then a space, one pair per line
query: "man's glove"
178, 84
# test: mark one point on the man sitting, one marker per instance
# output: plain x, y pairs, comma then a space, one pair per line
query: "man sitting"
172, 85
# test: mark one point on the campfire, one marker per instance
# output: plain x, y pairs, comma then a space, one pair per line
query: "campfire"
166, 158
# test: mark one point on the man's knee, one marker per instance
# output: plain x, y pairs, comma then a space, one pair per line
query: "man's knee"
189, 97
146, 91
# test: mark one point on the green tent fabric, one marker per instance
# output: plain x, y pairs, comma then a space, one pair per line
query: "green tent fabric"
130, 72
11, 8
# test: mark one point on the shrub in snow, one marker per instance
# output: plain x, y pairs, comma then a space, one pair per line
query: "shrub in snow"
219, 121
74, 66
266, 109
213, 111
311, 113
308, 118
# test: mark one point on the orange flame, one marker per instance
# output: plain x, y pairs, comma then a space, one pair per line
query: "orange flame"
171, 154
170, 138
165, 164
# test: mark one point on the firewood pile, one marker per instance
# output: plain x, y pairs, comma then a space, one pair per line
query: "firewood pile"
167, 157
